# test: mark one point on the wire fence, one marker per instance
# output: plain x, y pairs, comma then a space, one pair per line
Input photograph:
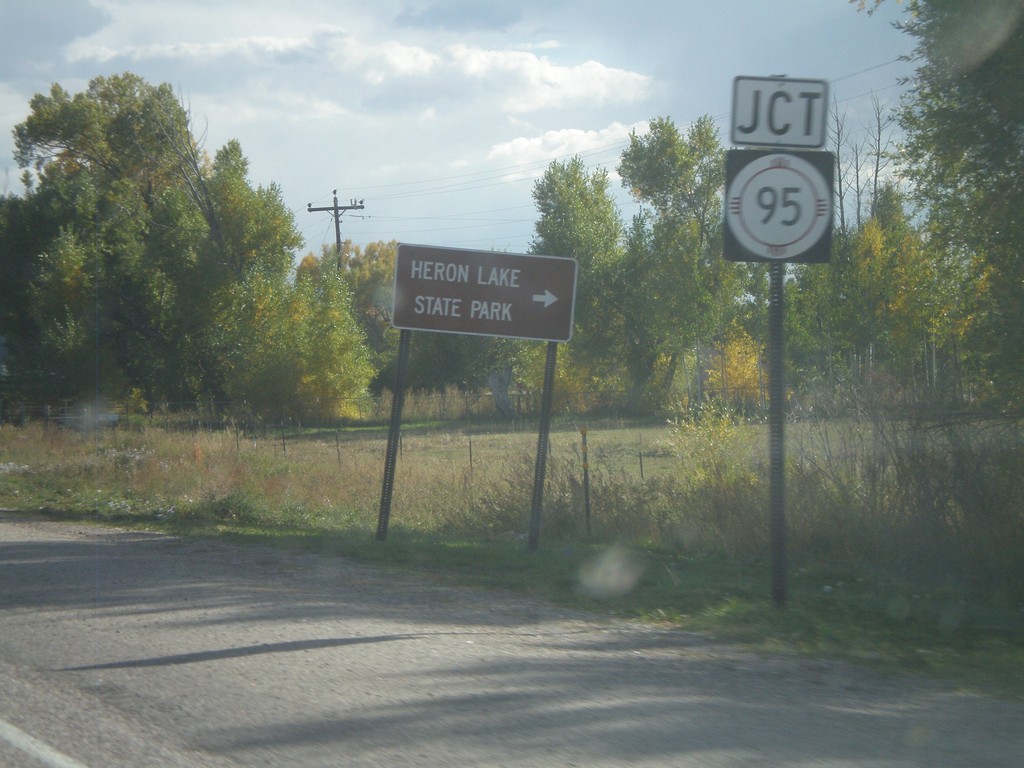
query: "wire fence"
451, 405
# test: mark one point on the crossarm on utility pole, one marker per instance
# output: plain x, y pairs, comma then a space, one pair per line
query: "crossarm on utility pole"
336, 212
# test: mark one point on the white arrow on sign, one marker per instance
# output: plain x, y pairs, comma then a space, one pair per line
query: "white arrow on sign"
547, 298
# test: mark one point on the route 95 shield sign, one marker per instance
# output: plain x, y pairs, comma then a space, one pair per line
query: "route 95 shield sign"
778, 206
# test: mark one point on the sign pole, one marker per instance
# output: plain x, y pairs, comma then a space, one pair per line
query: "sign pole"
778, 210
542, 447
776, 434
394, 433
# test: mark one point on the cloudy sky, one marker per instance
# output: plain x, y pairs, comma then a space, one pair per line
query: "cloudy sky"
440, 114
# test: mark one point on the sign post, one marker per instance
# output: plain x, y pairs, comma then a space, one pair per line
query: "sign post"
776, 435
779, 211
541, 463
394, 435
482, 293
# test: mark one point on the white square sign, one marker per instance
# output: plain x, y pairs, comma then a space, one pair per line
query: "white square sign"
779, 112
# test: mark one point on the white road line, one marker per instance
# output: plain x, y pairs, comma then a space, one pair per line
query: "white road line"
32, 746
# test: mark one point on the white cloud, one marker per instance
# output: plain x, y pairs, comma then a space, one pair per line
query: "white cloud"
382, 61
13, 110
566, 142
532, 82
373, 62
274, 107
247, 47
13, 105
140, 22
544, 45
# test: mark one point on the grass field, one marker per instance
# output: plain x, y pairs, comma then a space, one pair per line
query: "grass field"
677, 535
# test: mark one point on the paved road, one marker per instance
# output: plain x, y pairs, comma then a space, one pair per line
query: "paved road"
133, 649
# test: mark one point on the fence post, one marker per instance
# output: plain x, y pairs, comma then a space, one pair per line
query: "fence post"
586, 479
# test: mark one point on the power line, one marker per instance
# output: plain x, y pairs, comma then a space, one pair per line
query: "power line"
493, 173
868, 69
480, 179
520, 172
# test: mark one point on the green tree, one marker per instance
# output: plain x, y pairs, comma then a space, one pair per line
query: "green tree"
964, 154
258, 333
121, 191
679, 176
96, 167
677, 294
294, 349
336, 366
256, 230
63, 306
578, 219
370, 273
888, 311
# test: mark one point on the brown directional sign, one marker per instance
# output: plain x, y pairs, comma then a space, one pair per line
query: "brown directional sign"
485, 293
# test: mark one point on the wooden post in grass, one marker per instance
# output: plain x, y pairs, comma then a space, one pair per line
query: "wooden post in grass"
586, 478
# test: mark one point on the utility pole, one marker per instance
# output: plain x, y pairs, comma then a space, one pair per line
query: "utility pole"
336, 211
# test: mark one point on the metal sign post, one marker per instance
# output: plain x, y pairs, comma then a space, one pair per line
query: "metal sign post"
586, 479
779, 211
394, 435
542, 447
776, 435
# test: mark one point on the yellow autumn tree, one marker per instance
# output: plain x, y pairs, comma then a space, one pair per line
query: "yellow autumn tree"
736, 373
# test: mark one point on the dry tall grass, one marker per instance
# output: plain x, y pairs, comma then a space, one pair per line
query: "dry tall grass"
932, 502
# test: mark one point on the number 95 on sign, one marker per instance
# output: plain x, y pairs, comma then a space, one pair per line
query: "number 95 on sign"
778, 206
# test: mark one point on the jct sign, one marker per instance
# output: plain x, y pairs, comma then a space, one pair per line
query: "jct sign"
486, 293
779, 112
